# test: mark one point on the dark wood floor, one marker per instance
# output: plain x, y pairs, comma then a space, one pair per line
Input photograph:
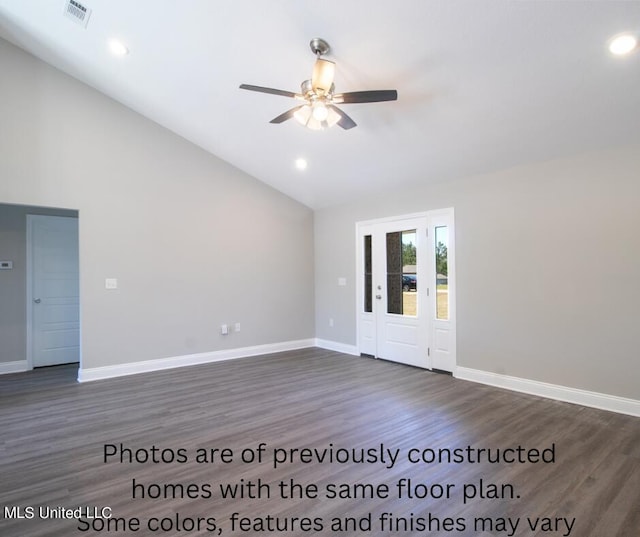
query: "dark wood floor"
53, 431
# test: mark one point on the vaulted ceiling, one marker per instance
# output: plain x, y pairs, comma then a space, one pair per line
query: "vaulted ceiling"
482, 84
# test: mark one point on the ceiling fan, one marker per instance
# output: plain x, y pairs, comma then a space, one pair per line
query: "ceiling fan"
319, 110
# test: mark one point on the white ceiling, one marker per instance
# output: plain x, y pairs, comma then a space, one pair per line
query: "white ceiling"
482, 84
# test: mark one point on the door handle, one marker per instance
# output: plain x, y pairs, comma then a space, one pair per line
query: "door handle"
378, 297
37, 300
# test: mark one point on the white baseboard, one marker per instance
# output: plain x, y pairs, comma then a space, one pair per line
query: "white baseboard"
602, 401
338, 347
19, 366
147, 366
552, 391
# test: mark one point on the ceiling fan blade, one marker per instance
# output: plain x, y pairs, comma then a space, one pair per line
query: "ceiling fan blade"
322, 77
345, 121
273, 91
373, 96
287, 115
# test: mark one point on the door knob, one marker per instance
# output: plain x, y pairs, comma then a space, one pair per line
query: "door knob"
378, 297
37, 300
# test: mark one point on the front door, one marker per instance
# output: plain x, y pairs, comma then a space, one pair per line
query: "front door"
54, 334
393, 307
406, 297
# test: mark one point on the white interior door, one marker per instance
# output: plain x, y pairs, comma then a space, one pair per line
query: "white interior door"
393, 316
406, 290
54, 334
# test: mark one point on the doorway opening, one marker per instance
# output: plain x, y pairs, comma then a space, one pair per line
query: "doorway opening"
39, 313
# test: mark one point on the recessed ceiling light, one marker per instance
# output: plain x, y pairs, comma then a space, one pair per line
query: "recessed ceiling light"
622, 44
301, 164
118, 48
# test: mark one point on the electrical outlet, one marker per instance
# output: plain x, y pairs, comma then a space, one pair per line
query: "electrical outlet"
224, 329
237, 327
330, 322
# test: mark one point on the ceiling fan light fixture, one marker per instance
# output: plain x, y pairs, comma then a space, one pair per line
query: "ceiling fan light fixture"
316, 117
319, 111
315, 125
303, 114
323, 74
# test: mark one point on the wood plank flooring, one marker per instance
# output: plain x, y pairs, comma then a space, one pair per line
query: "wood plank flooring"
53, 431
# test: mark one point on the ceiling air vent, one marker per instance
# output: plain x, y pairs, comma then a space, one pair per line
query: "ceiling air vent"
77, 12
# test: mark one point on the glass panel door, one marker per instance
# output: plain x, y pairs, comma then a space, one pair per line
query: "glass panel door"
400, 255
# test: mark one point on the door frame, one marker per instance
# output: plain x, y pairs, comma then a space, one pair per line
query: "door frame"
434, 218
31, 218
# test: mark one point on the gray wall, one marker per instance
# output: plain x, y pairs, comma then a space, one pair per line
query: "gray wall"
548, 268
13, 284
193, 241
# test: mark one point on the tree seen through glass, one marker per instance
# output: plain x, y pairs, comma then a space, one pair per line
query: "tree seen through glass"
442, 273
